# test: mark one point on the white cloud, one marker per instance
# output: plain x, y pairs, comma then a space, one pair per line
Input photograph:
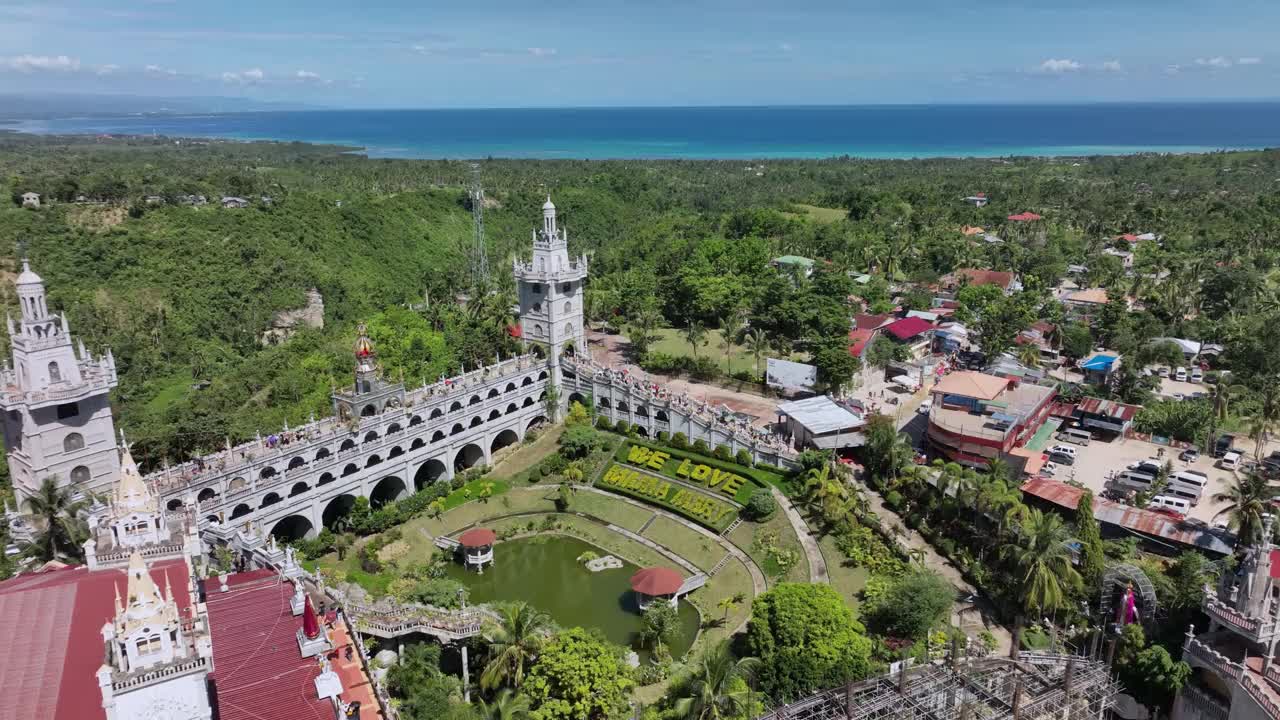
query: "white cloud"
785, 47
157, 70
247, 77
1249, 61
542, 52
1214, 62
1172, 69
106, 69
1064, 65
307, 75
1112, 66
41, 63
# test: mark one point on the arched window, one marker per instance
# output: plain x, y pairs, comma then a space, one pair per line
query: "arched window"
149, 646
568, 307
72, 442
55, 372
537, 330
80, 474
568, 329
537, 307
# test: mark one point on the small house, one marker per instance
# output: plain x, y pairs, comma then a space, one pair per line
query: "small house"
1099, 367
794, 263
30, 200
234, 202
977, 199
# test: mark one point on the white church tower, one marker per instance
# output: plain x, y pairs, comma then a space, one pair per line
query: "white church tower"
57, 419
550, 287
157, 664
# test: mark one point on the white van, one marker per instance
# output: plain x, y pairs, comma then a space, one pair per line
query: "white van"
1134, 480
1180, 374
1178, 505
1230, 461
1190, 478
1197, 375
1075, 435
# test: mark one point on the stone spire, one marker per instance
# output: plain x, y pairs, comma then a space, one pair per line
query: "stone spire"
132, 494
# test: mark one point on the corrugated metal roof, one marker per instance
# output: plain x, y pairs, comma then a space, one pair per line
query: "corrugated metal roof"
1147, 522
908, 327
821, 415
1109, 408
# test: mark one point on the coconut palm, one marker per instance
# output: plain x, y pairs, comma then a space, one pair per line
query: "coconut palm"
728, 605
718, 689
506, 705
1043, 562
60, 531
573, 472
1248, 498
998, 467
659, 626
758, 346
696, 335
644, 328
1029, 355
514, 640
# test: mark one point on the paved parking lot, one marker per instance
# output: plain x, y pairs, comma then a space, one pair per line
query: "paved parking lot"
1098, 458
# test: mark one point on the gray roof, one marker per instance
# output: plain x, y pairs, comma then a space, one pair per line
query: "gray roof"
821, 415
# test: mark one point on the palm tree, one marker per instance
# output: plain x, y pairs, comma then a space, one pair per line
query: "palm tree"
718, 689
61, 532
730, 326
757, 345
573, 472
1248, 498
1222, 394
1029, 355
998, 467
513, 643
506, 705
660, 625
696, 336
643, 329
728, 605
1043, 561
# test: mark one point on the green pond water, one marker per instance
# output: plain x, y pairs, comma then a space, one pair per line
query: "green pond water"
544, 572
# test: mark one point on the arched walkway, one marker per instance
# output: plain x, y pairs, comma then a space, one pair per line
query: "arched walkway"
350, 469
495, 414
347, 444
322, 453
535, 423
326, 478
296, 462
294, 527
419, 442
373, 460
436, 412
299, 488
577, 398
241, 510
388, 488
511, 408
469, 456
506, 438
173, 505
206, 495
396, 451
270, 499
267, 472
430, 471
337, 509
370, 436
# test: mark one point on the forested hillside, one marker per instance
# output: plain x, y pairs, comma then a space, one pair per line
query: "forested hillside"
182, 294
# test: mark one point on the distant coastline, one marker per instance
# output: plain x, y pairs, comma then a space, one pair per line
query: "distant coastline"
726, 133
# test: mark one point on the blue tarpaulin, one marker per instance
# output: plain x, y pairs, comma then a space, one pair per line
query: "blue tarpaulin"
1101, 363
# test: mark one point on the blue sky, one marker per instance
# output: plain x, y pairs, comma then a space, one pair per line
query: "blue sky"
645, 52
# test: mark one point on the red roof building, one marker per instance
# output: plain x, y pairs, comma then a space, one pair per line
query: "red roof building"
477, 537
656, 581
868, 321
1006, 281
53, 638
859, 340
908, 328
1024, 217
258, 671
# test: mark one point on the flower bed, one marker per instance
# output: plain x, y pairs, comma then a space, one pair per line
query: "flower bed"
684, 501
724, 479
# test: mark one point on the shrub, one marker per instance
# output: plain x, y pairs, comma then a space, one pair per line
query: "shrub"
555, 463
663, 436
769, 468
761, 506
703, 369
578, 441
722, 452
622, 428
604, 423
700, 446
680, 441
656, 362
893, 499
911, 606
743, 458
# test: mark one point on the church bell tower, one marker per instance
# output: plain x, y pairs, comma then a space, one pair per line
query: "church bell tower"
550, 288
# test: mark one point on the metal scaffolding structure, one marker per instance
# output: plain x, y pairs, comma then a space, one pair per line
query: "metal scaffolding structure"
1035, 686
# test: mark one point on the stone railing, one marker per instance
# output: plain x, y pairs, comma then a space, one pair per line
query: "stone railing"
148, 552
1227, 615
38, 396
1264, 696
132, 681
1221, 664
1204, 704
1273, 674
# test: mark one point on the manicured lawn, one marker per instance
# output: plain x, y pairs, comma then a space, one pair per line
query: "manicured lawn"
671, 342
610, 509
744, 536
688, 544
820, 214
847, 580
517, 463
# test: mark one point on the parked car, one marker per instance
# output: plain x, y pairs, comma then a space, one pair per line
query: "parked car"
1197, 375
1230, 461
1049, 468
1180, 374
1189, 455
1179, 397
925, 406
1164, 371
1222, 445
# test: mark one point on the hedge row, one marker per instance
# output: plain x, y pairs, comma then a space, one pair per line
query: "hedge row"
723, 512
758, 475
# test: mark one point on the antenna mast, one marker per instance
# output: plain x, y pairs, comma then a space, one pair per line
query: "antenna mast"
480, 259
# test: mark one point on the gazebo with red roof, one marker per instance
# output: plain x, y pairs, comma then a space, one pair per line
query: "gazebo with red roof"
656, 583
477, 547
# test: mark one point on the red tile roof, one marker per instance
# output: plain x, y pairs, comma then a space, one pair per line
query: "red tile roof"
1130, 237
985, 277
1024, 217
258, 671
867, 321
859, 340
1109, 408
907, 328
53, 646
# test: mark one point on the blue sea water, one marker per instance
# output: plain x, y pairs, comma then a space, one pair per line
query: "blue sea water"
888, 131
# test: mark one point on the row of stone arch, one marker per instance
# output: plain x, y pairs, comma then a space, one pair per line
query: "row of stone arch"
467, 456
370, 410
639, 410
299, 461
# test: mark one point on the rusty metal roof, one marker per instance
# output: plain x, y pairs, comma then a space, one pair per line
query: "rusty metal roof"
1148, 522
1109, 408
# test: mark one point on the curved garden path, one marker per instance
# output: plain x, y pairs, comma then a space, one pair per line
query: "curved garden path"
817, 564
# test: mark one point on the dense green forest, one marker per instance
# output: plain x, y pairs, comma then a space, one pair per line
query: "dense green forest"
182, 294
